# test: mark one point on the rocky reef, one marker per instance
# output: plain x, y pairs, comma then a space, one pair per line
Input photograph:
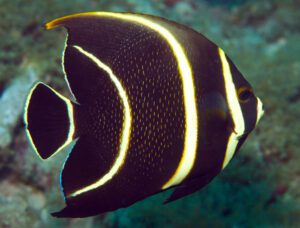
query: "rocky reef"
260, 187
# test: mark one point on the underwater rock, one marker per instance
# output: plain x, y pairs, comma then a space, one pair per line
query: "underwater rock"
142, 6
12, 103
271, 30
184, 9
288, 16
171, 3
20, 210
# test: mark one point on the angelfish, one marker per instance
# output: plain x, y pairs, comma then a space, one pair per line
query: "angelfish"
155, 106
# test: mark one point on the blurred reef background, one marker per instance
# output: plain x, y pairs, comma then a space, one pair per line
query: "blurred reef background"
260, 187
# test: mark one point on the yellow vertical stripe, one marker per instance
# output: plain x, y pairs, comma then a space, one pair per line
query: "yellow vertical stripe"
125, 137
235, 110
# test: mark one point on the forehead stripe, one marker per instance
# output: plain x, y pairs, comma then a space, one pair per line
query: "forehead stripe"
126, 128
234, 107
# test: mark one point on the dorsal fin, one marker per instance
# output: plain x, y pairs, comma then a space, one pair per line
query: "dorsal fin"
93, 44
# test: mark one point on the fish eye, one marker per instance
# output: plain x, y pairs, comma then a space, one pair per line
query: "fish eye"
245, 94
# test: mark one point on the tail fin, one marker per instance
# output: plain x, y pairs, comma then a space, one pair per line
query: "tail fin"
49, 120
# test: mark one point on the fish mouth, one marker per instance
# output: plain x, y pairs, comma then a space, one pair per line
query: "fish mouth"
260, 110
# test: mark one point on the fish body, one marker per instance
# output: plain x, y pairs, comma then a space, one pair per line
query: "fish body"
155, 105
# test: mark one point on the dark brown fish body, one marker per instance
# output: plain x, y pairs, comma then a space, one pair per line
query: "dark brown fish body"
157, 105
